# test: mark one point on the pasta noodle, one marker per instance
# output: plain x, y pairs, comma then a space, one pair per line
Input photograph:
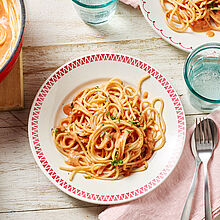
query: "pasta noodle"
199, 15
109, 132
9, 28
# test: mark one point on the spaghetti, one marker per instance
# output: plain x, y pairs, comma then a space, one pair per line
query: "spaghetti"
109, 132
199, 15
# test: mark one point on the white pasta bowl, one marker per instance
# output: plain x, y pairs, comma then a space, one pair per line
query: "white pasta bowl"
187, 41
92, 70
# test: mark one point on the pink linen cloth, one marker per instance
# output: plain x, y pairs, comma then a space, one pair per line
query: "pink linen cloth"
167, 200
133, 3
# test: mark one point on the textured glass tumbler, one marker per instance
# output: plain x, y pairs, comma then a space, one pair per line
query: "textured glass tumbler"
202, 76
95, 11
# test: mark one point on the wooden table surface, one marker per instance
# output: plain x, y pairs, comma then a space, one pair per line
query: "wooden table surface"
54, 35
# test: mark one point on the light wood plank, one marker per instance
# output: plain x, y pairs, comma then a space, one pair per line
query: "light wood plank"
67, 214
55, 22
90, 213
9, 120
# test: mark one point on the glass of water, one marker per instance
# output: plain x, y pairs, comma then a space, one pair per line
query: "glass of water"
95, 11
202, 76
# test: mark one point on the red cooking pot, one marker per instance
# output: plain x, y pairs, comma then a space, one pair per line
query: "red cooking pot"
7, 66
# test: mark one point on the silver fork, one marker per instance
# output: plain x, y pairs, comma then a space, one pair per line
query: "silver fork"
204, 147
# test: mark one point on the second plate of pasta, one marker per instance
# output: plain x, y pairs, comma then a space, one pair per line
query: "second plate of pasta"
107, 128
184, 24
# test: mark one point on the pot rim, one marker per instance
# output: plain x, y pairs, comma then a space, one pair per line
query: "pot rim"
23, 16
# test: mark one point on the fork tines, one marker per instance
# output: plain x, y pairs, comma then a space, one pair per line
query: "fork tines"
203, 134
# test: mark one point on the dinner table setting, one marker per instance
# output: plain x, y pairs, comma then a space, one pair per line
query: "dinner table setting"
110, 109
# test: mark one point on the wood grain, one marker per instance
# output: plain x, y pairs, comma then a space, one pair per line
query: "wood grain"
11, 88
55, 35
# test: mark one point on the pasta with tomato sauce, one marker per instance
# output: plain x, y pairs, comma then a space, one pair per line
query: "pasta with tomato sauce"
199, 15
109, 132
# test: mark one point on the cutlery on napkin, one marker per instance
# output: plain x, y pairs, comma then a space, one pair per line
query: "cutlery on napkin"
167, 200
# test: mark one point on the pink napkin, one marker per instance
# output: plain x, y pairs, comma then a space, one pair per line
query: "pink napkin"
167, 201
133, 3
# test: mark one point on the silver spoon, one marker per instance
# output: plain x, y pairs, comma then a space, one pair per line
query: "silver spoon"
189, 200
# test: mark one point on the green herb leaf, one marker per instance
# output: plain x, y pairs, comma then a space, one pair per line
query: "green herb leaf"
96, 87
57, 129
212, 4
113, 117
102, 134
128, 131
115, 162
71, 105
119, 120
107, 98
107, 113
116, 153
136, 123
87, 177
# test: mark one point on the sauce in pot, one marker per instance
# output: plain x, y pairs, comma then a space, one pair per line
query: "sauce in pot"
9, 28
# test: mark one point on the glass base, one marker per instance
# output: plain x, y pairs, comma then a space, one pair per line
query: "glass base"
202, 105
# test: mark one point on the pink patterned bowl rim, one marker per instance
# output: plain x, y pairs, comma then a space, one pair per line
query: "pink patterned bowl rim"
59, 89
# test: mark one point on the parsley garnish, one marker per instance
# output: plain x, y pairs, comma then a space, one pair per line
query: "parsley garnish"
96, 87
113, 117
107, 113
102, 134
88, 177
116, 161
119, 120
106, 99
212, 4
57, 129
116, 154
136, 123
71, 105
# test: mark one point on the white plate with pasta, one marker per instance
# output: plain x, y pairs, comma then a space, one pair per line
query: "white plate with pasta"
165, 19
103, 136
